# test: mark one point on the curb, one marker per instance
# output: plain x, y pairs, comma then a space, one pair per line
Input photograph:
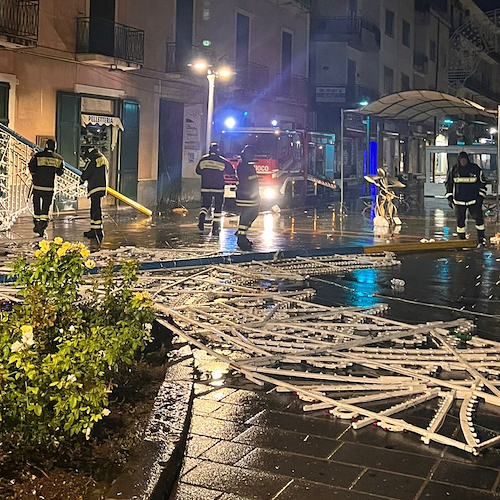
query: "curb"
154, 466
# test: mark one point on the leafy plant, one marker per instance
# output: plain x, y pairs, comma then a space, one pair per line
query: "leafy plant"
59, 355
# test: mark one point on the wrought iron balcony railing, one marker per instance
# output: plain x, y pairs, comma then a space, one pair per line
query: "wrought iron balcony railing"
19, 19
180, 56
346, 29
292, 87
107, 38
253, 78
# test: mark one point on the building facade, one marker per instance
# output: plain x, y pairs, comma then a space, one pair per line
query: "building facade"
115, 75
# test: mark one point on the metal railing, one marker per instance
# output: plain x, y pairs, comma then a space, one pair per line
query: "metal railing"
100, 36
420, 61
19, 18
292, 87
253, 77
343, 28
179, 56
486, 89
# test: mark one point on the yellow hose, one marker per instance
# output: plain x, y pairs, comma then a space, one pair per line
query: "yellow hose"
130, 202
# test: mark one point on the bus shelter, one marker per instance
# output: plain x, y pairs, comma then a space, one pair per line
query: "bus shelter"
420, 106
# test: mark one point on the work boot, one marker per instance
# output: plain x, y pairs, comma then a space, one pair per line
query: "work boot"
41, 227
89, 234
201, 222
94, 234
215, 228
244, 243
481, 238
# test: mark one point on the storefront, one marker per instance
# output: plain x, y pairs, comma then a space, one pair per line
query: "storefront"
111, 125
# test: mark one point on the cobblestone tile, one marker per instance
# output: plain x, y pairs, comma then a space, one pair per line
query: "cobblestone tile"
465, 475
185, 491
440, 491
214, 428
226, 452
197, 445
389, 485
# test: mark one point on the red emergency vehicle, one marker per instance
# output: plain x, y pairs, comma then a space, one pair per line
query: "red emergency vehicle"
290, 163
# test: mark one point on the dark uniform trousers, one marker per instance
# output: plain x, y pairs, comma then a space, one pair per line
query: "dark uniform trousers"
41, 206
209, 196
96, 211
476, 212
249, 211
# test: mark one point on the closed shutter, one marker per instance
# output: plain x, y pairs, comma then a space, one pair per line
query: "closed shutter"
4, 103
128, 172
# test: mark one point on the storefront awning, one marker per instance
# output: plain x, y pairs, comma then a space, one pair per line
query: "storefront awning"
421, 105
105, 121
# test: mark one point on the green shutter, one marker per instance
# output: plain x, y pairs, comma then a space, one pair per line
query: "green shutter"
4, 103
129, 155
68, 127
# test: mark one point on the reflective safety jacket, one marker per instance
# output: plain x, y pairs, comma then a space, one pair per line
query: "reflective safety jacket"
465, 184
44, 166
212, 169
247, 192
96, 174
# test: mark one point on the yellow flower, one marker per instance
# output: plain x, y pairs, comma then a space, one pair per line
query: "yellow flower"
84, 252
90, 264
81, 246
27, 329
44, 246
58, 240
61, 252
38, 253
67, 245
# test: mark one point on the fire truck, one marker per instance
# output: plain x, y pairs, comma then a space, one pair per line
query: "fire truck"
291, 164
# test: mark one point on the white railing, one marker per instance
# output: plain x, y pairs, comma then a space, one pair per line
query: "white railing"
15, 178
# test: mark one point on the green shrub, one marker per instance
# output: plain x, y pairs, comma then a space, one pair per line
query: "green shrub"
59, 355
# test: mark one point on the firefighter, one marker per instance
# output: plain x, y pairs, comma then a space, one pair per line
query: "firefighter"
212, 168
247, 196
466, 190
96, 175
44, 166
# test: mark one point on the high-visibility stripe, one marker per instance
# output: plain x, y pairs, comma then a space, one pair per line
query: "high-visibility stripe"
252, 177
100, 162
96, 221
243, 226
217, 216
97, 190
465, 180
247, 202
210, 190
460, 230
47, 161
465, 203
43, 188
480, 228
212, 165
203, 211
448, 195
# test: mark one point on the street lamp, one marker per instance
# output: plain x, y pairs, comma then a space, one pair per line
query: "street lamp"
212, 74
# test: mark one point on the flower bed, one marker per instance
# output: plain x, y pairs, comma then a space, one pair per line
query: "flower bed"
67, 348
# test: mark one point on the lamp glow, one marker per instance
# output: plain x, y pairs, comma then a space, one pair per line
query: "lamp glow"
274, 123
225, 72
230, 122
269, 193
364, 103
200, 65
493, 131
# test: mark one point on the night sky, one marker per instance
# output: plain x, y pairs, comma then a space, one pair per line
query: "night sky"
487, 5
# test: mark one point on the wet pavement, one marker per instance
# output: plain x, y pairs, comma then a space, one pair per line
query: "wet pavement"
246, 443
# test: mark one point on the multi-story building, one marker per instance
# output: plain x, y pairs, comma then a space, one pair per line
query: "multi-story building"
115, 75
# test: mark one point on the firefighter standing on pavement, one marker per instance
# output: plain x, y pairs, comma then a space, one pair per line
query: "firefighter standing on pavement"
212, 168
96, 175
466, 190
44, 166
247, 196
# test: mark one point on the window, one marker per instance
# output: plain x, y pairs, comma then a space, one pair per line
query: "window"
406, 33
389, 23
286, 62
353, 8
405, 82
4, 103
388, 80
242, 42
432, 51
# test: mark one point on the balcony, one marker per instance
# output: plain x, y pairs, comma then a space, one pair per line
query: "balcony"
19, 23
292, 87
356, 31
108, 44
421, 63
485, 89
253, 78
179, 57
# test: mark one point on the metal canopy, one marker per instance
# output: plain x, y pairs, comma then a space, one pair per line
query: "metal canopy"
421, 105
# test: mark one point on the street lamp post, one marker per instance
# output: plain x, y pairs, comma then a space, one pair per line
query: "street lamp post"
210, 113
